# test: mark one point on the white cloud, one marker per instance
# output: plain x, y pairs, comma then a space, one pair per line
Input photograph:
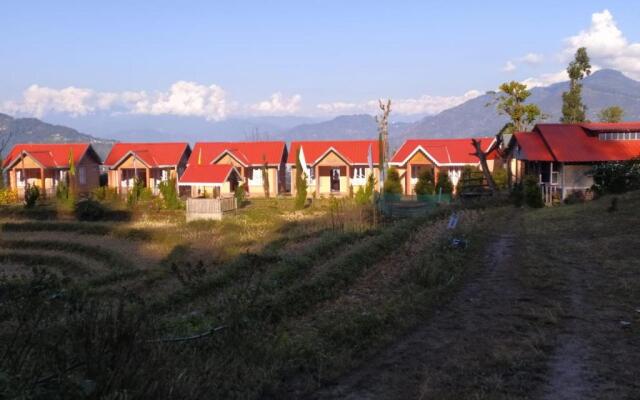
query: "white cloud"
278, 104
606, 45
532, 58
183, 98
509, 67
425, 104
546, 79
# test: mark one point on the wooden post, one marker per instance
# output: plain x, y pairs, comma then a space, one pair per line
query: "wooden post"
148, 177
44, 191
317, 180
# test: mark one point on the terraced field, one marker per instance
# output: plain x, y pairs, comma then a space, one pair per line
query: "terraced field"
268, 303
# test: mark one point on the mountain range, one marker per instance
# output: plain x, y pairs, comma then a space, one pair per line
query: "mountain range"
475, 117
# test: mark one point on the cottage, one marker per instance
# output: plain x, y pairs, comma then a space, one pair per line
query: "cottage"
335, 167
451, 155
150, 163
561, 155
47, 165
249, 160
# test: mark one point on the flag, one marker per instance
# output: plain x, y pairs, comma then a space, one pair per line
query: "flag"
303, 162
200, 157
370, 158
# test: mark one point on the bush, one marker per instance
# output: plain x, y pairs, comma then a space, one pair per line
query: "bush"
138, 193
467, 172
500, 178
31, 195
531, 192
444, 183
392, 184
616, 177
104, 193
8, 196
169, 191
89, 210
239, 194
62, 191
517, 195
425, 184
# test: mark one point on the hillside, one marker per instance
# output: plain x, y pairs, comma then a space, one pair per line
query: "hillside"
33, 130
602, 89
349, 127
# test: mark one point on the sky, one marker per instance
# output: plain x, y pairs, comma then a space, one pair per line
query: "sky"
218, 60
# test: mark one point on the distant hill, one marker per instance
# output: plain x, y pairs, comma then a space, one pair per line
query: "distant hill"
32, 130
360, 126
603, 88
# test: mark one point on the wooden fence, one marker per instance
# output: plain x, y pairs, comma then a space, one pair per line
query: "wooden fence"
210, 208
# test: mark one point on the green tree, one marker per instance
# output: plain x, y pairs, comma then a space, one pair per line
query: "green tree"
425, 184
511, 102
392, 183
365, 195
265, 177
301, 184
444, 183
168, 190
611, 114
573, 109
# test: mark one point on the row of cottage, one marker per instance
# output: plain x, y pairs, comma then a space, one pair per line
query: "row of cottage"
559, 154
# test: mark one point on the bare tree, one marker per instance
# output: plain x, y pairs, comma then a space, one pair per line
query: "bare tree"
383, 138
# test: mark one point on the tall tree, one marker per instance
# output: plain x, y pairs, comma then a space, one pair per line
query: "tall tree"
383, 138
511, 102
522, 116
611, 114
573, 109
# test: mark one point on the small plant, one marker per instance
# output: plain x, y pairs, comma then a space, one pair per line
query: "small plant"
444, 184
138, 193
531, 192
301, 184
62, 191
365, 196
425, 184
31, 195
517, 195
240, 194
169, 192
392, 184
104, 193
89, 210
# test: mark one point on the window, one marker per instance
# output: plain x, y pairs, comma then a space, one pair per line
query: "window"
619, 136
82, 175
358, 174
255, 178
165, 175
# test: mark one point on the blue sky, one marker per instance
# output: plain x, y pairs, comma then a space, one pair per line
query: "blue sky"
288, 57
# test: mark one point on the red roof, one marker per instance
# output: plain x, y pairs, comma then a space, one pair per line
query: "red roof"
247, 153
206, 173
442, 151
532, 147
152, 154
579, 143
50, 155
352, 151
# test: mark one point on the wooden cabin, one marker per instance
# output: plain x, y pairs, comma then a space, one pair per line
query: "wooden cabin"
150, 163
334, 167
249, 160
451, 155
46, 165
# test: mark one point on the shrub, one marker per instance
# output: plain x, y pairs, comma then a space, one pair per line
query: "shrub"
575, 197
8, 196
138, 193
444, 183
62, 191
616, 177
104, 193
301, 184
517, 195
425, 184
467, 173
500, 178
31, 195
169, 192
365, 195
239, 194
531, 192
392, 183
89, 210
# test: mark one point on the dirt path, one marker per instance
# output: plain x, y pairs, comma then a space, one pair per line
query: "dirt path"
413, 367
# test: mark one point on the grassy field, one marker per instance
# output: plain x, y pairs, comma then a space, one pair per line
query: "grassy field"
277, 303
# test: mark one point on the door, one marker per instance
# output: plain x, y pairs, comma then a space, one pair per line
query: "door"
335, 179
